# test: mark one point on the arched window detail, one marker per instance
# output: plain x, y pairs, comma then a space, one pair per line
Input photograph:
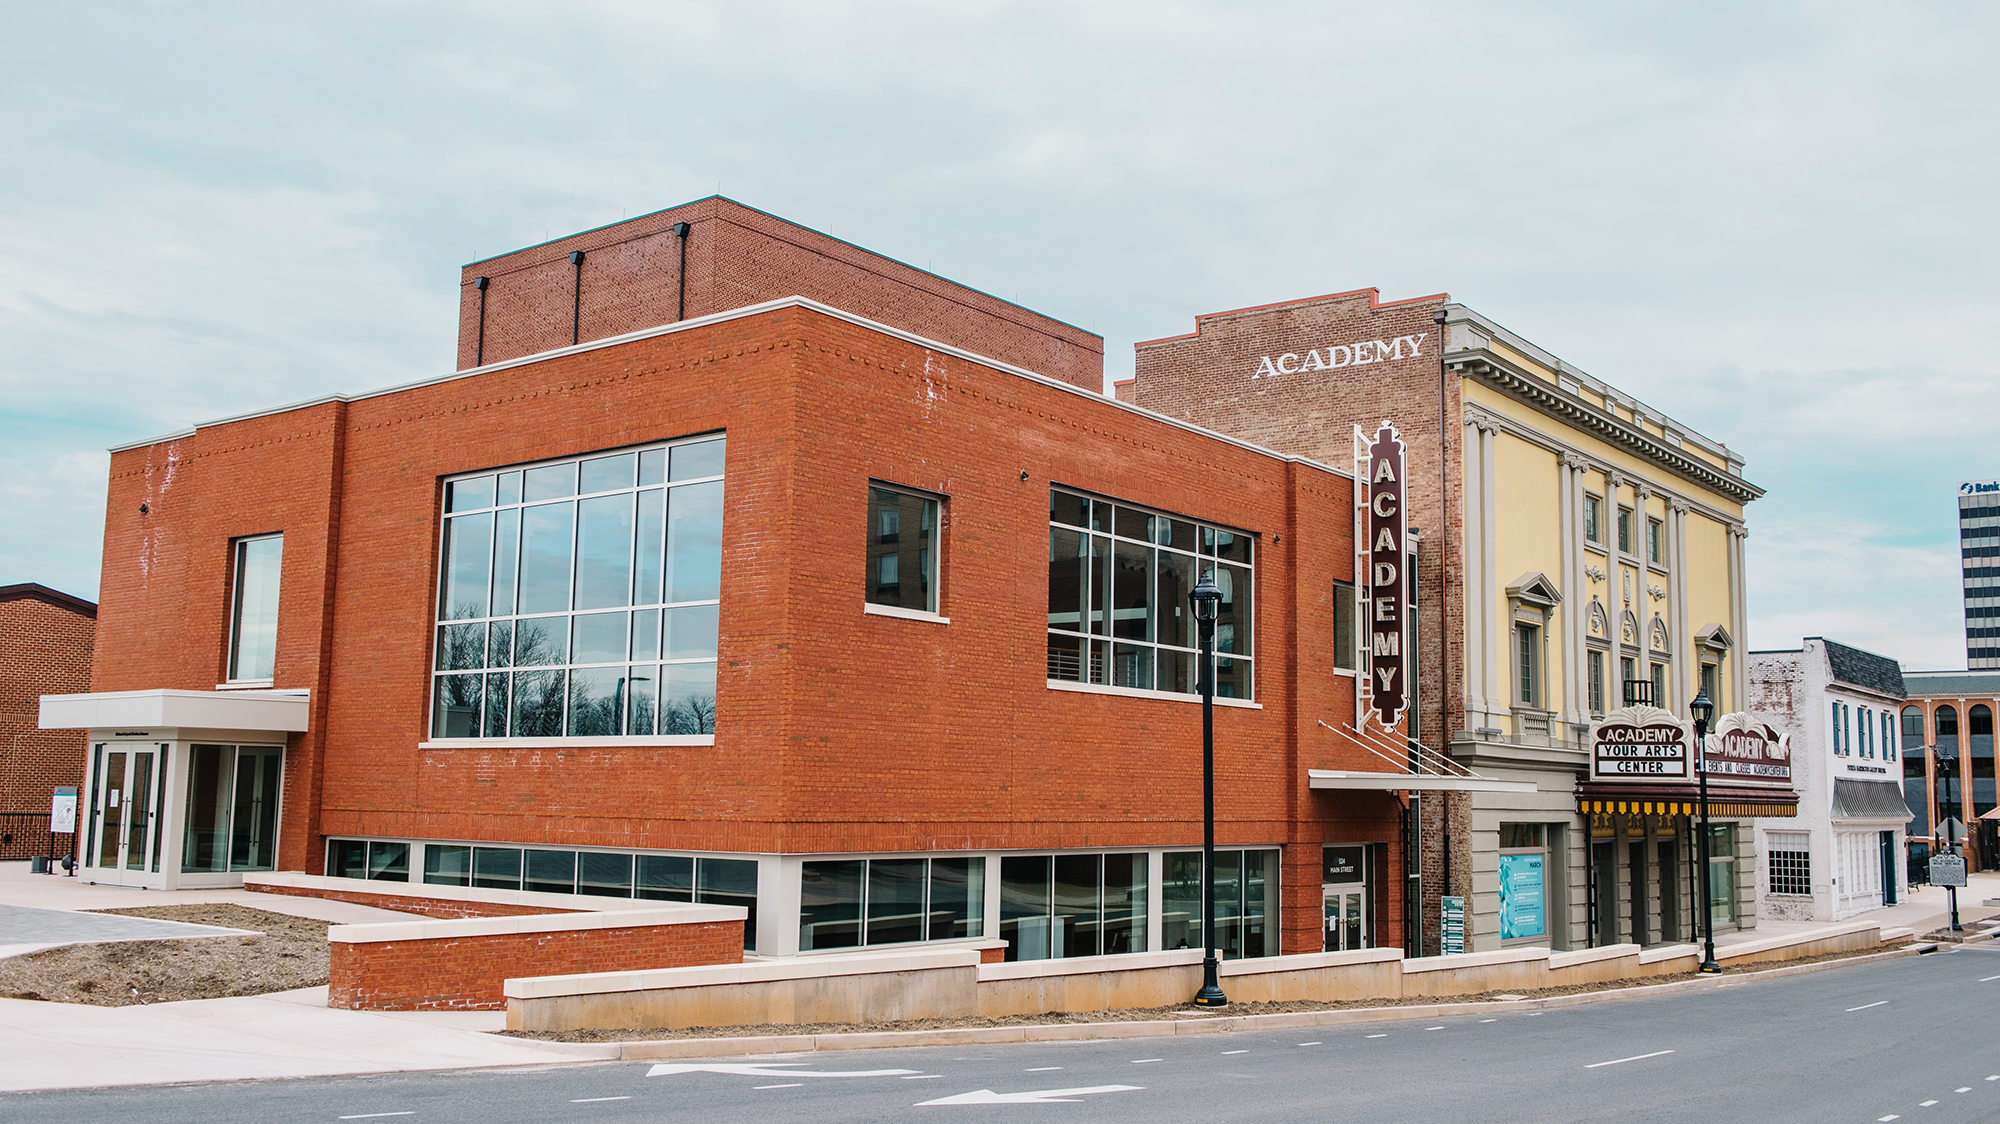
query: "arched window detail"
1980, 719
1913, 728
1945, 721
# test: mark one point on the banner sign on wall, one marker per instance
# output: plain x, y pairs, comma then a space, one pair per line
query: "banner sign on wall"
1385, 584
1521, 896
1640, 743
1746, 750
1451, 925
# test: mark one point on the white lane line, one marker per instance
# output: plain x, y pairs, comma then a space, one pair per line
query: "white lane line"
1967, 1089
1489, 1020
1925, 1104
1633, 1058
594, 1100
1886, 1119
1043, 1069
373, 1115
1990, 979
1378, 1036
1995, 1077
1433, 1028
1226, 1053
1147, 1061
925, 1077
1865, 1006
1308, 1043
793, 1085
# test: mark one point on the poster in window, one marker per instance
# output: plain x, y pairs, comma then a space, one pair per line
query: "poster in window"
1521, 896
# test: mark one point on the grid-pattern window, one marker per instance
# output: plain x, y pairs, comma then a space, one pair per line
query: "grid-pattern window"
848, 903
1711, 684
1246, 884
1527, 658
1659, 675
1790, 862
1595, 662
902, 549
581, 598
1625, 530
1593, 519
1656, 548
253, 610
1119, 578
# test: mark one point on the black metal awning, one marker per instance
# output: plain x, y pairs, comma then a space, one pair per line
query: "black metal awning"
1869, 800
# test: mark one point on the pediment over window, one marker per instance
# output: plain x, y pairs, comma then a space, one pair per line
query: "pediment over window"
1715, 638
1534, 588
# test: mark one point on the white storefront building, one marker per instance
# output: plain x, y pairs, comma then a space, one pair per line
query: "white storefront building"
1842, 855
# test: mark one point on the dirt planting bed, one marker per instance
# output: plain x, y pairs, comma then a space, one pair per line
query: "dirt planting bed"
287, 952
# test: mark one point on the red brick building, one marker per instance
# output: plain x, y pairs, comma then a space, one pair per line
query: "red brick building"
45, 644
856, 605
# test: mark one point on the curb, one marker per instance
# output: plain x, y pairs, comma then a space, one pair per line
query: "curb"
661, 1048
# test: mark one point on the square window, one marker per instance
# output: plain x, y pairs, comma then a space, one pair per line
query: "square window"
902, 549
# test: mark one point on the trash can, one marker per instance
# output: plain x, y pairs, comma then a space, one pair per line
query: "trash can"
38, 864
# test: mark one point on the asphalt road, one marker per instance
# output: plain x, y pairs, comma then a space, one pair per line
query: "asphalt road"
1909, 1039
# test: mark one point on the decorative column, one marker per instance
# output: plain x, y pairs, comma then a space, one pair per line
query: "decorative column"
1739, 668
1482, 645
1688, 680
1576, 617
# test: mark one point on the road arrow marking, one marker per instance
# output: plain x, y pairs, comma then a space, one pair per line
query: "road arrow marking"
1038, 1096
770, 1069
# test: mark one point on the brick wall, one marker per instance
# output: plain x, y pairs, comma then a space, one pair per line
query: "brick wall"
467, 973
837, 731
738, 256
1215, 377
45, 649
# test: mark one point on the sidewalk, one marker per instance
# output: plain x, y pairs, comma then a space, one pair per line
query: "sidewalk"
287, 1034
1924, 908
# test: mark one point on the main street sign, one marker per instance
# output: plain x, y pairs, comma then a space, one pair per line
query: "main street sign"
1640, 743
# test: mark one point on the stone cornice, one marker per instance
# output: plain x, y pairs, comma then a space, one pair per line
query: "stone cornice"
1503, 376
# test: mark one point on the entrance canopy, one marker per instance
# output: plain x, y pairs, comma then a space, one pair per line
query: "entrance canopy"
1869, 800
1410, 782
274, 711
1684, 800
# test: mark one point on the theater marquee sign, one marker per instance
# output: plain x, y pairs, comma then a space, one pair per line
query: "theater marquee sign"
1744, 749
1640, 743
1386, 591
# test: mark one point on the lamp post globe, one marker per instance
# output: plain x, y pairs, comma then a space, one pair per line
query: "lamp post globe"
1702, 709
1206, 600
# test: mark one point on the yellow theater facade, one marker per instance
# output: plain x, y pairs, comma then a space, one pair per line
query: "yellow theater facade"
1577, 549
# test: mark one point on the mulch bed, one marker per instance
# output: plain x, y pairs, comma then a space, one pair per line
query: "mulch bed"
289, 952
1146, 1014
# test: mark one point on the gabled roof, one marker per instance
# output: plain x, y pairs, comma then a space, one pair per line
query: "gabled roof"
36, 591
1865, 670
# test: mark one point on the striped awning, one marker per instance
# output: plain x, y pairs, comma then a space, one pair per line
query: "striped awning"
1684, 800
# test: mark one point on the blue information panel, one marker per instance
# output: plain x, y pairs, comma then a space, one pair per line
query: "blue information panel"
1521, 896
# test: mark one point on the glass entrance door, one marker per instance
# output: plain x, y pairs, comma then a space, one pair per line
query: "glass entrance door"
125, 791
1346, 917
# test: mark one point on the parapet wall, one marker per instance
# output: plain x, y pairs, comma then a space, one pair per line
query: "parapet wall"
951, 983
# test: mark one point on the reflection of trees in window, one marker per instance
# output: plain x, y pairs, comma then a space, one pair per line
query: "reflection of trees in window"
689, 714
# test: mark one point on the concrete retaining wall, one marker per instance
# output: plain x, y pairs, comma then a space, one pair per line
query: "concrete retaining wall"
951, 983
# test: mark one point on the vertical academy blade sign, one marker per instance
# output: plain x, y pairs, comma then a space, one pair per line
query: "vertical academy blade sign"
1386, 589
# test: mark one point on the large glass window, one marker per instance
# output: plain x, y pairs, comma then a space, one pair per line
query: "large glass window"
253, 616
1242, 894
1119, 578
232, 808
902, 549
848, 903
581, 598
1058, 906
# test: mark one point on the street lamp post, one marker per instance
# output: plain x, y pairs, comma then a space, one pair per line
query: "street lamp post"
1206, 600
1702, 709
1946, 766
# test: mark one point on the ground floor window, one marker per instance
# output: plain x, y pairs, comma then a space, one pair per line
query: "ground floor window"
1790, 862
1240, 894
846, 903
551, 870
232, 808
1059, 906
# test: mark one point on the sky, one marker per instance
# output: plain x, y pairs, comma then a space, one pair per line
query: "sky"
1773, 222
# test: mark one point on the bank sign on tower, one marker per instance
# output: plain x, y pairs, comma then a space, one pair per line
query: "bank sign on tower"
1386, 590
